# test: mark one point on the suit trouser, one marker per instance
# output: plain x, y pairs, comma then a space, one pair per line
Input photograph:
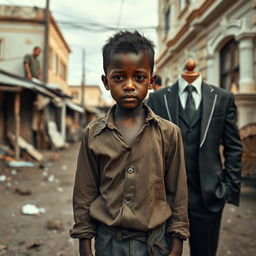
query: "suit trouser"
107, 244
204, 235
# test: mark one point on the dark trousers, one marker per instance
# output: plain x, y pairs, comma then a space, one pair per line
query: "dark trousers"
204, 234
109, 242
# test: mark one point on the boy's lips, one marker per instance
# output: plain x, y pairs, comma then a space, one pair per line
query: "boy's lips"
129, 98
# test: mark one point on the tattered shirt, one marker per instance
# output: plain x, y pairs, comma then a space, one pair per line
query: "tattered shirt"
137, 187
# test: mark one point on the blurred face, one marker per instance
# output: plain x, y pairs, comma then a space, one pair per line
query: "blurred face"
128, 78
37, 52
157, 87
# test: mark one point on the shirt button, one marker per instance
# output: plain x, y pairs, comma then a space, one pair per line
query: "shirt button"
130, 170
127, 201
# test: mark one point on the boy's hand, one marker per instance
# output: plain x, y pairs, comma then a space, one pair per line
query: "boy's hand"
177, 246
85, 247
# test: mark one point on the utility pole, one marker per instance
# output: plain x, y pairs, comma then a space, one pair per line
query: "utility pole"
46, 41
83, 78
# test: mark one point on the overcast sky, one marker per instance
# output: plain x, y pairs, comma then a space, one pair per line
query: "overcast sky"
75, 19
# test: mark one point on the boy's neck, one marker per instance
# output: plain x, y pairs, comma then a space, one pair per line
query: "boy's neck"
122, 113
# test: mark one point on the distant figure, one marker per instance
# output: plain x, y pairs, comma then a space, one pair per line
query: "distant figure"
32, 65
158, 84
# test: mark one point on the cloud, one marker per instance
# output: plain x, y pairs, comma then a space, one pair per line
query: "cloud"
134, 14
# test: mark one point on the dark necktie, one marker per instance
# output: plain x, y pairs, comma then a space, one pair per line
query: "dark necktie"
190, 107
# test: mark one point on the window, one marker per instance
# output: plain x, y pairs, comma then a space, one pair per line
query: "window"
229, 66
167, 21
182, 4
1, 48
55, 64
50, 57
63, 70
75, 95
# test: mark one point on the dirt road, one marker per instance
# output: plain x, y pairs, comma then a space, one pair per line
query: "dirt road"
51, 189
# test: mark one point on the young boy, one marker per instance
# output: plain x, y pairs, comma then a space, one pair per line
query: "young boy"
130, 189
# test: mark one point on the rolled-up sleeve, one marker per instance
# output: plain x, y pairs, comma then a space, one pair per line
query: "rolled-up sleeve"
85, 191
176, 187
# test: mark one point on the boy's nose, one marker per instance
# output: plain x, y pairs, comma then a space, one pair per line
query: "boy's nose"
129, 85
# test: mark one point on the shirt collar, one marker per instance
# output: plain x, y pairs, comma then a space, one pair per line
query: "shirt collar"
183, 84
108, 120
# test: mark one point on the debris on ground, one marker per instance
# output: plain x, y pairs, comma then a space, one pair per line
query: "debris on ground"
44, 173
34, 245
60, 254
51, 178
2, 248
54, 224
64, 167
22, 191
13, 172
30, 209
3, 178
60, 189
20, 164
26, 146
45, 165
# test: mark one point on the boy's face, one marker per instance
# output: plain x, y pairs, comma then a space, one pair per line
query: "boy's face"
128, 78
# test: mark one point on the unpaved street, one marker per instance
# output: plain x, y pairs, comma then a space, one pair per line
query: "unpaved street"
51, 189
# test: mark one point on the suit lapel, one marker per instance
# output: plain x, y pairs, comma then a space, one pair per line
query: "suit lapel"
209, 98
171, 103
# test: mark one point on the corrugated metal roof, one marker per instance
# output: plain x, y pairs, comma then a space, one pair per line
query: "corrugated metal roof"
74, 106
14, 80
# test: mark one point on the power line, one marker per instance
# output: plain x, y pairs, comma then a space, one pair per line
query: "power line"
120, 14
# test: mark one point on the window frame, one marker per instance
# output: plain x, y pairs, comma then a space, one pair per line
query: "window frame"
233, 71
2, 42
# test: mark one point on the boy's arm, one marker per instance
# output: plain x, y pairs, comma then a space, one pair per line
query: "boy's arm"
85, 247
85, 191
176, 190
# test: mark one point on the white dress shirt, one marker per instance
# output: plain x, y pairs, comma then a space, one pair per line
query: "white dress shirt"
196, 94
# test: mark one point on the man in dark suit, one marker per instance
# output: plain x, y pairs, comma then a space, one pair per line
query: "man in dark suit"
207, 117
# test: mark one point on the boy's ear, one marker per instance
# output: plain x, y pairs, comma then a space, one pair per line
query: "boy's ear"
152, 82
105, 81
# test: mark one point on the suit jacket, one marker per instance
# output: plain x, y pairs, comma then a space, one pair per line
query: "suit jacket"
218, 127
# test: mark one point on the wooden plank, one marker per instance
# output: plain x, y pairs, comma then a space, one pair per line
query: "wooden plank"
28, 147
17, 124
10, 88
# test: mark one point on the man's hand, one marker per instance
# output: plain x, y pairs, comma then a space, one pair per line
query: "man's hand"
27, 69
85, 247
29, 76
177, 247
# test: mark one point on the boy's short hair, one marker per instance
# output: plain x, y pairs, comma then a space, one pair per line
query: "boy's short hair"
126, 41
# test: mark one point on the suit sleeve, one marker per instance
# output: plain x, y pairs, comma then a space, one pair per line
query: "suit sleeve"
176, 188
85, 191
232, 154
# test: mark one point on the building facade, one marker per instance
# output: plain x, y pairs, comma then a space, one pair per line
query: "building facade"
220, 35
21, 29
92, 95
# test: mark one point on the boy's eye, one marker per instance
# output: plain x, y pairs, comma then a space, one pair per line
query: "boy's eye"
118, 78
140, 77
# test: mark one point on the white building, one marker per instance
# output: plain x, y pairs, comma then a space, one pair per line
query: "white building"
21, 29
220, 35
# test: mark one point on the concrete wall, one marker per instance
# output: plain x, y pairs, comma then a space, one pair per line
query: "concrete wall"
19, 39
